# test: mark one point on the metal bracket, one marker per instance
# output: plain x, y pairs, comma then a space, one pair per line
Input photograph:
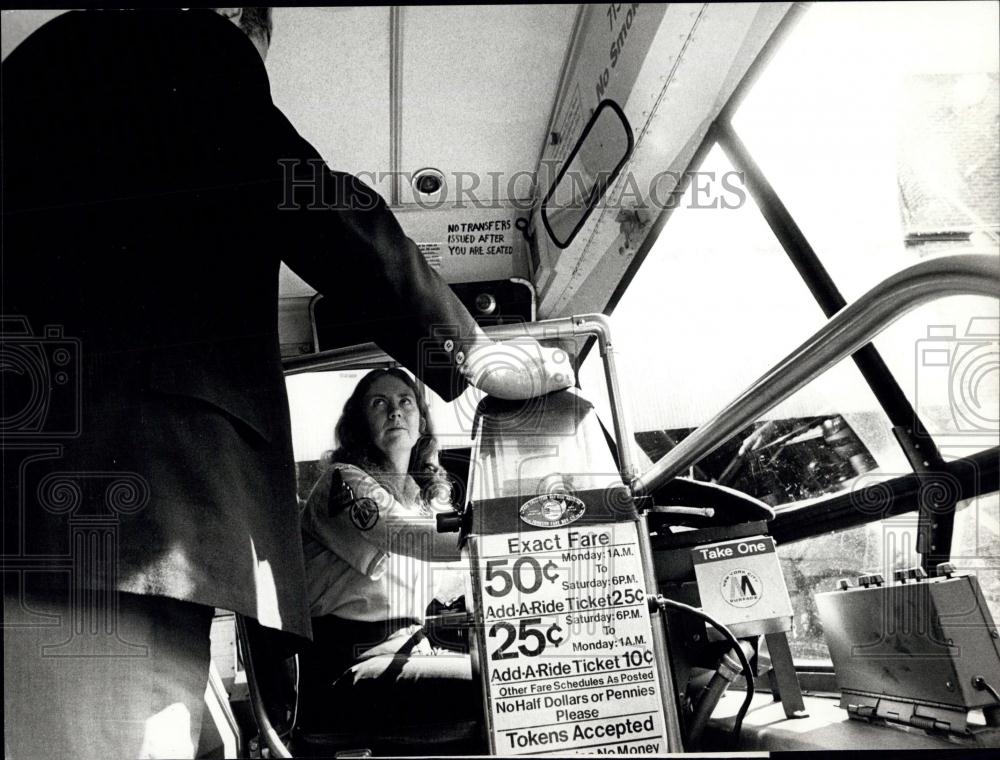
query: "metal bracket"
933, 719
788, 691
935, 521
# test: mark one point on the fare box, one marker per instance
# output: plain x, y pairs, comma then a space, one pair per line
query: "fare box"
567, 643
740, 582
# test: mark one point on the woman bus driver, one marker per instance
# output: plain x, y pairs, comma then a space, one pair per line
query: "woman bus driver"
369, 535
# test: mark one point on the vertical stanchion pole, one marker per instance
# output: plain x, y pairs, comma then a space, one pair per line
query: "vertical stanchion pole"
668, 693
665, 670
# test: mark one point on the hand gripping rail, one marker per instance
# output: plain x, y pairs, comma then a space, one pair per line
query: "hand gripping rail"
549, 329
847, 331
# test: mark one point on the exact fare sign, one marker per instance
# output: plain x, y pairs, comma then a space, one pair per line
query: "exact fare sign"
568, 646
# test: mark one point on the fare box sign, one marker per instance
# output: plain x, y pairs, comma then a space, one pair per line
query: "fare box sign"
741, 581
568, 646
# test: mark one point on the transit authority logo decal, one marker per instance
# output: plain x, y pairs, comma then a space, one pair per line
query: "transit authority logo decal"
552, 510
364, 514
742, 588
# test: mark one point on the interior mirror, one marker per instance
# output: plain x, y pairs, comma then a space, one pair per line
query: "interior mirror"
594, 163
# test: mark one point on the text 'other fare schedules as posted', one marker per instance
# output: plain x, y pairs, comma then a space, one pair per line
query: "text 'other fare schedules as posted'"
569, 652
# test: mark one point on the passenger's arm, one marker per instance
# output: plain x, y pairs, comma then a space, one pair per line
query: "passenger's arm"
341, 237
350, 514
517, 369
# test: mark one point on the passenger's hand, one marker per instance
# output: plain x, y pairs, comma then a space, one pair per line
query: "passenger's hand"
519, 368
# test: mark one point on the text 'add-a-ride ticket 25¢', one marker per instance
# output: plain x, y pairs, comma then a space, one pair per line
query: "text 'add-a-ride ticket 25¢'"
568, 643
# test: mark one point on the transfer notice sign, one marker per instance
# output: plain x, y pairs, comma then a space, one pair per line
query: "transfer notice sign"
568, 650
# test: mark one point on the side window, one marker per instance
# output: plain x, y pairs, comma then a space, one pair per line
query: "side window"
714, 305
885, 157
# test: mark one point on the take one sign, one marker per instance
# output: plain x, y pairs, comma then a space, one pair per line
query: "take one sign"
741, 581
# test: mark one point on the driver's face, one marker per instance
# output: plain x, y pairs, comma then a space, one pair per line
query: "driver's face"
392, 414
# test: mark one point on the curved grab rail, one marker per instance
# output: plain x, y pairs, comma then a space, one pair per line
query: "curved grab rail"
365, 353
847, 331
597, 325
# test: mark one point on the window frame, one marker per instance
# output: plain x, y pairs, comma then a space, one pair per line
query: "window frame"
834, 512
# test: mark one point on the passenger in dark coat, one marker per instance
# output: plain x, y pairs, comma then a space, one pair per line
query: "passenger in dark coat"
150, 191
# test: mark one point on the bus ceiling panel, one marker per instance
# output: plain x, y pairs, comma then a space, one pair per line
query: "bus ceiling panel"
16, 25
671, 69
464, 89
329, 72
477, 87
469, 88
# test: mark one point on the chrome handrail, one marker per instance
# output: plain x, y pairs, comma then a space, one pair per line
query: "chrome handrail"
555, 329
848, 330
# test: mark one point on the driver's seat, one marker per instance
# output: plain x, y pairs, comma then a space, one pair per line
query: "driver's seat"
274, 694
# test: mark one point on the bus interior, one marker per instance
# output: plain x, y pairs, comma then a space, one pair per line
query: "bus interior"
768, 237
